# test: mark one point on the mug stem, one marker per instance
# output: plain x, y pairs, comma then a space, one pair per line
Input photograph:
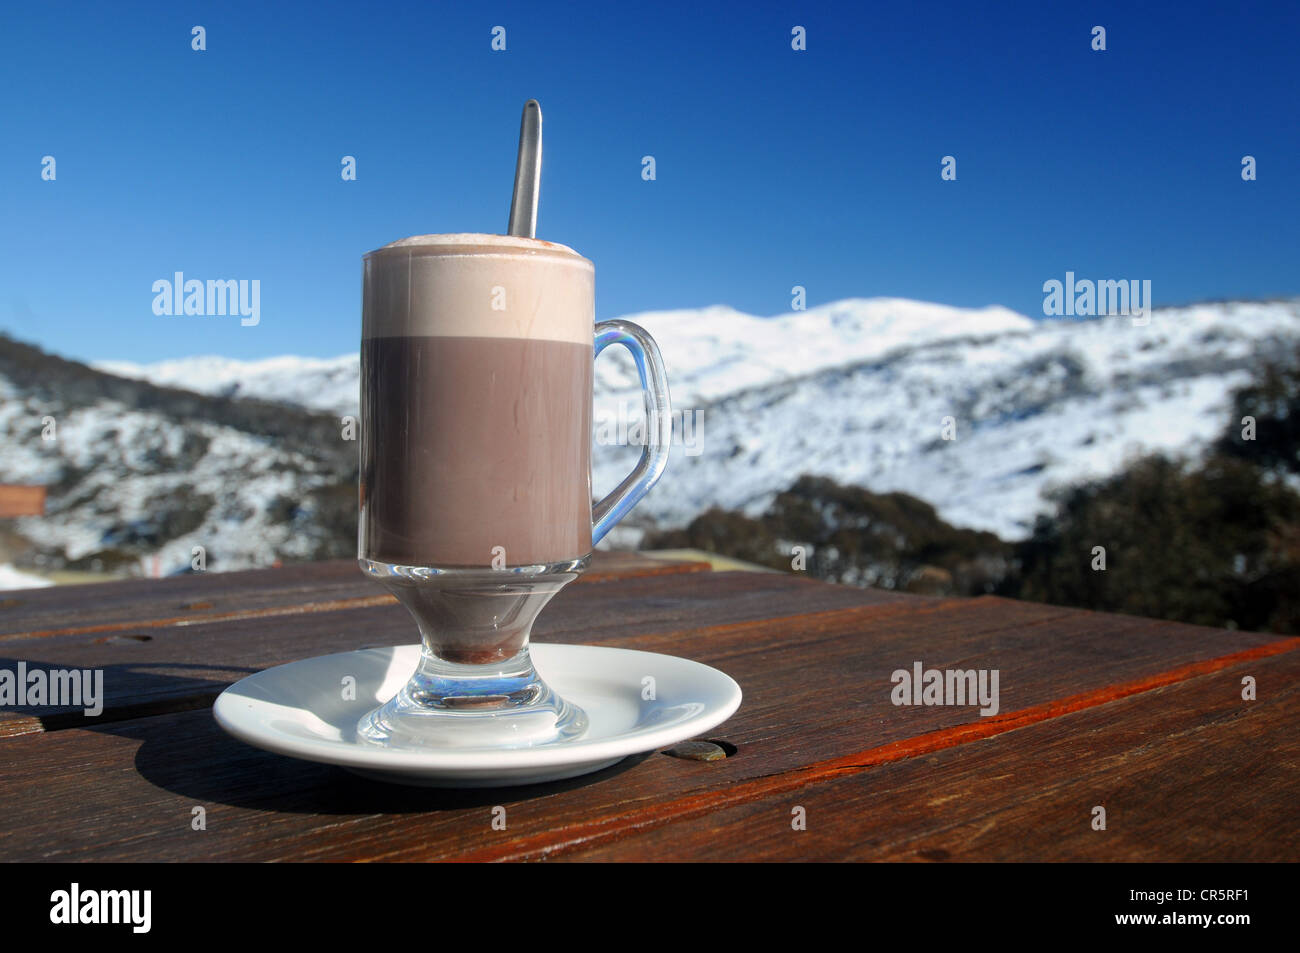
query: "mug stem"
475, 684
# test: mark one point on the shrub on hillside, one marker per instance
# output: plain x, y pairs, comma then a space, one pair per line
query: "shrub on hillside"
1213, 544
848, 534
1272, 400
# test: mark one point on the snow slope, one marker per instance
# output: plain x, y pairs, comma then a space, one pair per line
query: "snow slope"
858, 390
709, 352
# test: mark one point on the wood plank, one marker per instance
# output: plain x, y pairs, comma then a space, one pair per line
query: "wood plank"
817, 690
21, 501
148, 670
1186, 772
180, 600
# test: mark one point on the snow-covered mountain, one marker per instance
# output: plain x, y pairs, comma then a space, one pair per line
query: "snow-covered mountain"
248, 460
328, 384
859, 391
709, 352
138, 475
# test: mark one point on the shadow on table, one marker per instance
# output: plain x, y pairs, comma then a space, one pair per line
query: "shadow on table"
233, 773
184, 751
123, 690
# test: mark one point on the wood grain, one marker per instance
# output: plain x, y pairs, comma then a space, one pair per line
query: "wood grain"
102, 608
817, 695
1181, 770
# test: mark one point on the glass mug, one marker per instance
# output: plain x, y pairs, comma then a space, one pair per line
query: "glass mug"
475, 474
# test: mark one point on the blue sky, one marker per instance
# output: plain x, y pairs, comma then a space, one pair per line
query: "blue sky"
775, 168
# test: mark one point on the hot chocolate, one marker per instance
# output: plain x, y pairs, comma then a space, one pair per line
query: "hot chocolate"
475, 451
476, 366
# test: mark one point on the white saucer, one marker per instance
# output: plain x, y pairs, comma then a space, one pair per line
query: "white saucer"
299, 710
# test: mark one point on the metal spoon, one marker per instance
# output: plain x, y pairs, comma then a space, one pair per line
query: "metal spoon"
528, 173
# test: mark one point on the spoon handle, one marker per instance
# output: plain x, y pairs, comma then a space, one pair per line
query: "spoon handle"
528, 173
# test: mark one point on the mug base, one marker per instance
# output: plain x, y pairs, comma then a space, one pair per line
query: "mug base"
475, 685
398, 725
451, 705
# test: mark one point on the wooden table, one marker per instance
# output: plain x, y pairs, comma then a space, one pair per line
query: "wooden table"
1145, 719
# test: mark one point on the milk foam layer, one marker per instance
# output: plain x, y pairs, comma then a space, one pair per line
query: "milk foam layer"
483, 286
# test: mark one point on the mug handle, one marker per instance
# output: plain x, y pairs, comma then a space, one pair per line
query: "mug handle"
659, 424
